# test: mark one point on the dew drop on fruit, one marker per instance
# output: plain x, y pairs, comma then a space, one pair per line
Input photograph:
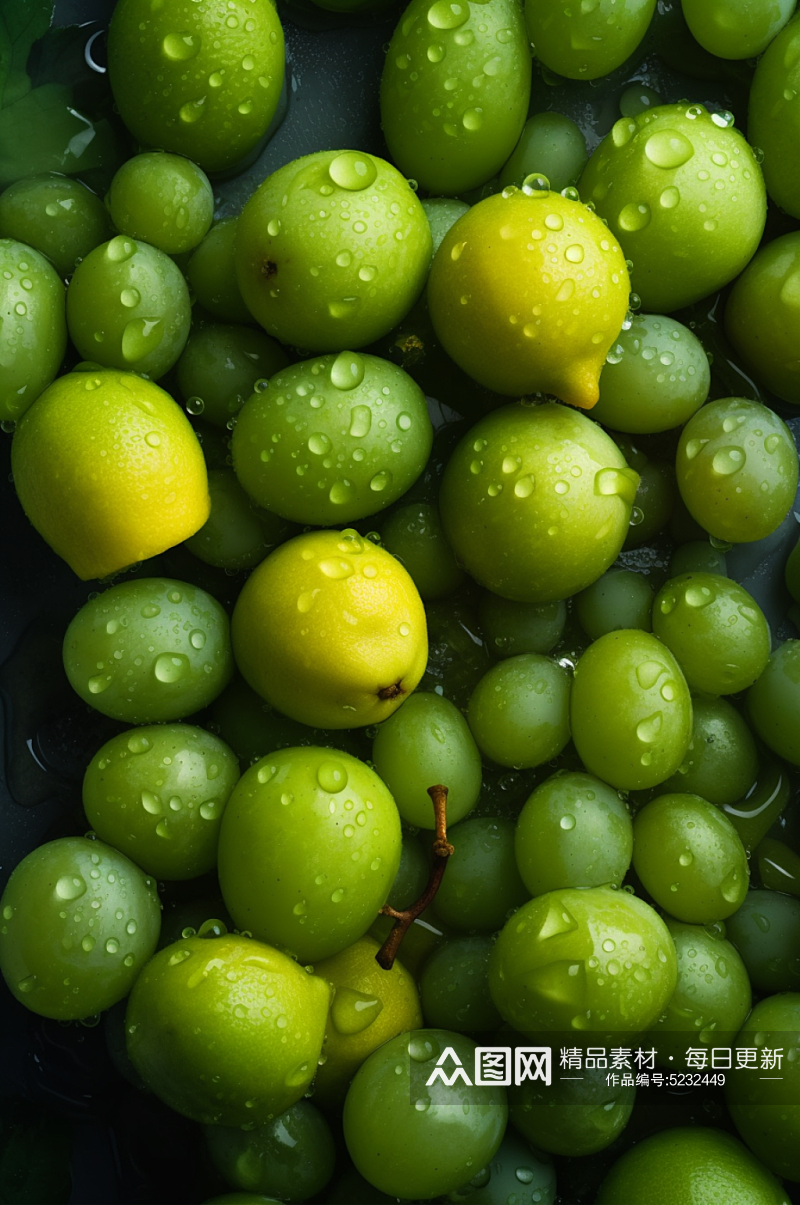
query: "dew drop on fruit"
380, 481
668, 149
332, 776
151, 803
171, 667
120, 248
178, 47
728, 461
634, 216
448, 14
99, 683
353, 171
140, 337
70, 887
567, 822
647, 730
622, 131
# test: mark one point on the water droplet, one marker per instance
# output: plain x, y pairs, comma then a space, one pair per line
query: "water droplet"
648, 673
620, 482
472, 119
336, 568
634, 216
70, 887
99, 683
140, 337
192, 111
647, 730
120, 248
332, 776
698, 596
171, 667
112, 946
686, 858
353, 170
668, 149
151, 803
622, 131
567, 822
728, 460
448, 14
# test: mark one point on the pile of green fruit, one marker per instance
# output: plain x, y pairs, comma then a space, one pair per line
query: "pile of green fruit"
435, 716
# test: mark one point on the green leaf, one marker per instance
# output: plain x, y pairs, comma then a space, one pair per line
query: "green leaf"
21, 23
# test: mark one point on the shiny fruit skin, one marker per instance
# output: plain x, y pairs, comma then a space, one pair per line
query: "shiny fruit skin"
761, 315
579, 960
365, 267
454, 92
80, 920
226, 1030
109, 471
221, 67
773, 118
33, 326
308, 850
295, 641
536, 502
510, 317
590, 41
654, 180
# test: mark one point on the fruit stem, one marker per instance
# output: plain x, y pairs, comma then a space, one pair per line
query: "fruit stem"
442, 849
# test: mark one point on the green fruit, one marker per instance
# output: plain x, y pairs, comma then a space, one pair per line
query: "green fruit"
197, 78
761, 315
454, 91
60, 217
79, 923
552, 146
683, 193
773, 703
332, 440
358, 275
294, 1154
165, 200
588, 42
773, 118
536, 502
33, 328
308, 849
742, 32
574, 961
226, 1030
519, 711
572, 1116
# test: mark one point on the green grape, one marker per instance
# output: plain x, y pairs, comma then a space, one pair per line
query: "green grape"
760, 316
690, 858
574, 831
332, 439
158, 793
656, 376
792, 574
721, 763
739, 32
360, 273
571, 1116
33, 330
425, 743
454, 91
412, 873
237, 534
370, 1005
665, 182
737, 469
60, 217
773, 119
778, 866
195, 78
550, 145
515, 1173
766, 932
458, 657
698, 556
79, 923
687, 1165
149, 650
638, 99
211, 273
536, 502
655, 496
590, 42
226, 1030
164, 200
643, 739
773, 703
453, 987
590, 960
128, 307
519, 711
512, 627
711, 999
292, 1156
442, 213
446, 1140
619, 599
754, 815
768, 1118
482, 885
308, 849
715, 629
220, 367
414, 534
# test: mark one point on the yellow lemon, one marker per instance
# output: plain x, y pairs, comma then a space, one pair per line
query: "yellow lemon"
330, 629
109, 471
527, 293
369, 1006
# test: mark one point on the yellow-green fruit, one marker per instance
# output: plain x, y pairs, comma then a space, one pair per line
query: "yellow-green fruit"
226, 1030
330, 629
369, 1007
109, 471
197, 77
527, 293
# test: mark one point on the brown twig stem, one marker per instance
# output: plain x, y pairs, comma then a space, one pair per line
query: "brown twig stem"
442, 849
